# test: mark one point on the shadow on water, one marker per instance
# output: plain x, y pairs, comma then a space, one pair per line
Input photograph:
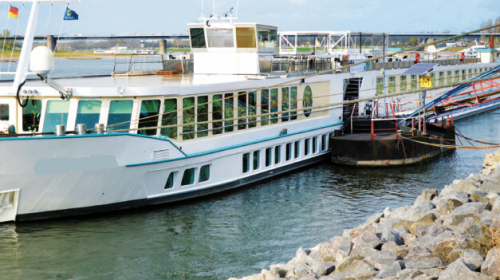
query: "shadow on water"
231, 234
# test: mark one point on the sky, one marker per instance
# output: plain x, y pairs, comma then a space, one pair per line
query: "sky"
120, 17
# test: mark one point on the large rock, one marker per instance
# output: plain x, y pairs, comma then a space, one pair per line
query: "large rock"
375, 218
421, 262
418, 250
425, 220
458, 270
367, 239
381, 259
491, 265
335, 250
433, 229
391, 270
426, 196
357, 268
474, 208
391, 235
472, 259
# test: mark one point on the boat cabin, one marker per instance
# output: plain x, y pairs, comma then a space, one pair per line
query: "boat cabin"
231, 48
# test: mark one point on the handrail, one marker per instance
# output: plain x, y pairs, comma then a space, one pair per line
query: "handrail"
352, 113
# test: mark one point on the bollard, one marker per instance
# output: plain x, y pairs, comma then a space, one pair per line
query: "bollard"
99, 128
60, 130
81, 129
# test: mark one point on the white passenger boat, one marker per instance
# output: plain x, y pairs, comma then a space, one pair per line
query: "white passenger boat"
114, 143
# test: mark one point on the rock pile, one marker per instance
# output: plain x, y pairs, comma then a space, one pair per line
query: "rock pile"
454, 234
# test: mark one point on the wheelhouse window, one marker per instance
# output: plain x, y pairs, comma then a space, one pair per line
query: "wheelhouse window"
57, 113
148, 117
120, 114
197, 38
169, 118
31, 115
220, 38
245, 37
267, 38
88, 113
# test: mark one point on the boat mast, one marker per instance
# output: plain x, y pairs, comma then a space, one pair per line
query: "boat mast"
22, 66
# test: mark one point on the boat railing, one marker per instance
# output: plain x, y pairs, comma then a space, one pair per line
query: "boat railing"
137, 65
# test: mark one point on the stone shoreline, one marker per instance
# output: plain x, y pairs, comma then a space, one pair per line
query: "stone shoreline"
447, 235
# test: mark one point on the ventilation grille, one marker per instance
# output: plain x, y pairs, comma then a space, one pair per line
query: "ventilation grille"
160, 154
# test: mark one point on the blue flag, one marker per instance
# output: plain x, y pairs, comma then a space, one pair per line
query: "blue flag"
70, 15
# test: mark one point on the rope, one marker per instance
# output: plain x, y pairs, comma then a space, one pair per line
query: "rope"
495, 146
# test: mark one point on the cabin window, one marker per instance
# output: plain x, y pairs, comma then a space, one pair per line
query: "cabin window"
188, 118
202, 116
188, 177
245, 37
197, 38
274, 105
288, 151
242, 110
169, 118
293, 102
228, 112
220, 38
464, 75
285, 99
307, 101
277, 154
31, 115
457, 76
307, 148
297, 149
57, 113
148, 117
269, 154
403, 84
414, 82
120, 114
88, 113
252, 109
470, 73
380, 86
4, 112
256, 160
217, 113
267, 37
170, 180
315, 144
433, 79
392, 84
246, 162
324, 143
264, 106
204, 173
441, 79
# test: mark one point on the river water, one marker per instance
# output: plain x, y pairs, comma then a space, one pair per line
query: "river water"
230, 235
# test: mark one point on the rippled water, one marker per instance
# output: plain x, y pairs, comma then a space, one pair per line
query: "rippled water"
233, 234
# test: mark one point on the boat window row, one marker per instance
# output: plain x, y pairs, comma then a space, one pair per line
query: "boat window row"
190, 176
182, 118
404, 83
284, 153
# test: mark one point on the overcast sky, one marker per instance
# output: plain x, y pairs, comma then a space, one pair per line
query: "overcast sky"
106, 17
